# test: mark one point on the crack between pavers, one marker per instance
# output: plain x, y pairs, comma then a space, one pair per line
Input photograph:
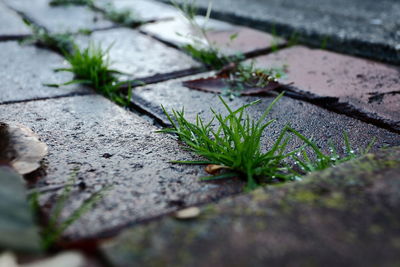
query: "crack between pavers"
45, 98
333, 104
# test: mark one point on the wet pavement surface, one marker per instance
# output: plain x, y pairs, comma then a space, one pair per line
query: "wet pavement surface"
345, 215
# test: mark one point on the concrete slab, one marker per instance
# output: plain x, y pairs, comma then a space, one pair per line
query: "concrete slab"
179, 32
370, 87
59, 19
111, 146
142, 9
344, 216
362, 27
309, 119
136, 54
25, 69
11, 24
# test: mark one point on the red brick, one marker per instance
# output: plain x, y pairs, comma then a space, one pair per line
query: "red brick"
352, 80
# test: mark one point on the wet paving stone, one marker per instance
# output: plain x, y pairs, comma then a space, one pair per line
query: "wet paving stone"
179, 32
344, 216
11, 24
110, 146
371, 88
59, 18
309, 119
361, 27
146, 10
25, 69
136, 54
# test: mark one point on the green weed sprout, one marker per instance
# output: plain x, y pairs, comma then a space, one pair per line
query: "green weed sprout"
54, 227
124, 17
91, 66
234, 145
319, 160
60, 42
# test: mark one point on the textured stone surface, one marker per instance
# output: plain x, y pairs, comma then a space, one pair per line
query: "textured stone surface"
10, 23
363, 27
371, 87
138, 55
344, 216
307, 118
141, 9
180, 32
25, 69
18, 231
111, 146
61, 18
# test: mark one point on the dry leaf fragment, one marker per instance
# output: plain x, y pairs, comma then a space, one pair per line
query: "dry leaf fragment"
20, 147
188, 213
214, 169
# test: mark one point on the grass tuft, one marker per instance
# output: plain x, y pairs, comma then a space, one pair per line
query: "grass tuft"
235, 144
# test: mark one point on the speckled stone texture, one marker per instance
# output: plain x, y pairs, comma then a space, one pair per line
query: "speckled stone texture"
136, 54
141, 9
24, 71
343, 216
309, 119
60, 18
11, 24
363, 27
179, 32
111, 146
370, 87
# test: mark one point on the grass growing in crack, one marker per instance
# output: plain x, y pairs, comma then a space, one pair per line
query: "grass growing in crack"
91, 66
55, 227
60, 42
235, 145
319, 160
124, 17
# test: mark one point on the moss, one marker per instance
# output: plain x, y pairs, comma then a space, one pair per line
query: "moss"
375, 229
336, 201
305, 196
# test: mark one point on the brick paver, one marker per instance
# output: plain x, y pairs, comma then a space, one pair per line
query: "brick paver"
11, 25
372, 88
59, 19
26, 69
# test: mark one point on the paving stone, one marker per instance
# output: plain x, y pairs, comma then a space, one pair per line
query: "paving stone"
111, 146
179, 32
362, 27
11, 24
370, 87
146, 10
60, 18
138, 55
344, 216
25, 69
18, 231
309, 119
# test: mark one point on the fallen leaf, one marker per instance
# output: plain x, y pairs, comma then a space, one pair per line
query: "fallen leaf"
18, 231
188, 213
66, 259
213, 168
218, 83
20, 148
8, 259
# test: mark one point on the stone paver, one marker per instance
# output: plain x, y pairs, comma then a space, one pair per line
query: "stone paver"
60, 18
146, 10
138, 55
111, 146
363, 27
179, 32
25, 70
344, 216
311, 120
370, 87
11, 25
